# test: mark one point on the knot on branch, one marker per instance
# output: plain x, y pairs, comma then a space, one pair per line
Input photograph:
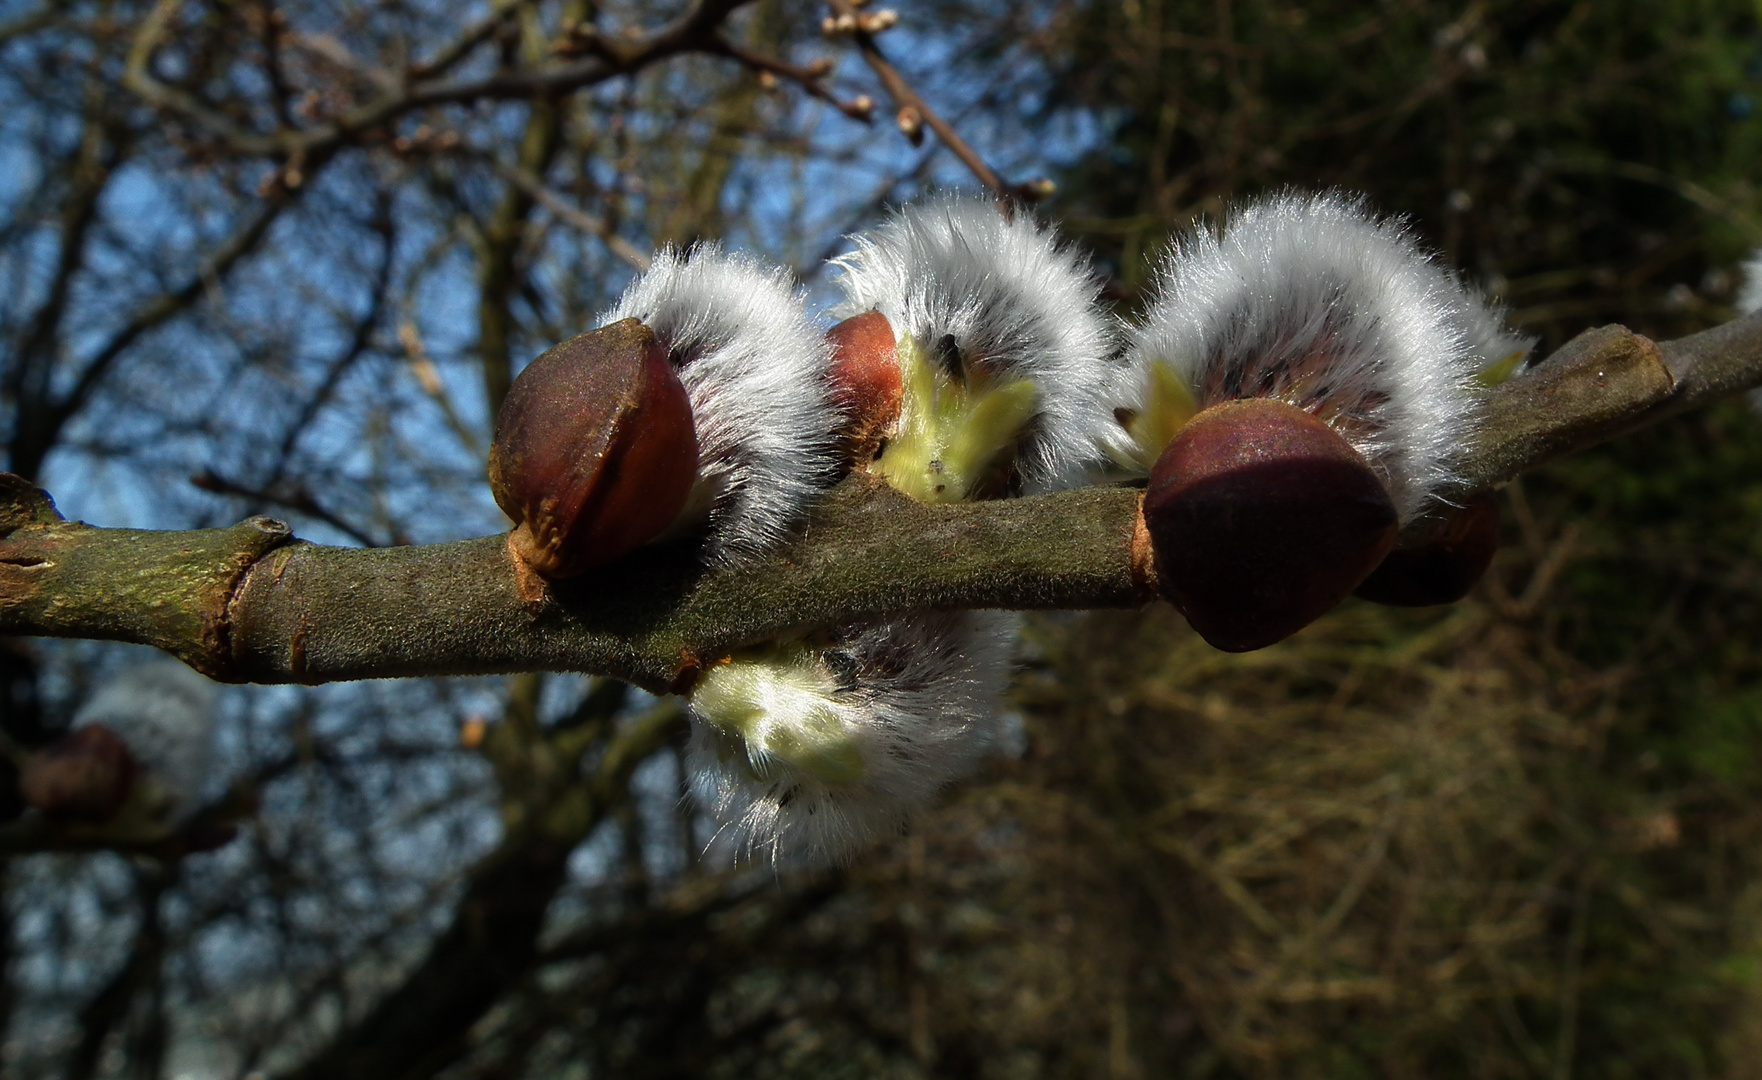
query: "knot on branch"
24, 503
171, 590
1602, 383
251, 539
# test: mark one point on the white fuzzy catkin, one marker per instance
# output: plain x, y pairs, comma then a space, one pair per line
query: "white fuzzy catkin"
912, 703
754, 367
808, 753
1010, 294
164, 712
1313, 300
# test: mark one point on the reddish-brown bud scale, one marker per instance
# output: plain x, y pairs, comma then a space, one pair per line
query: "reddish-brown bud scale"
595, 453
84, 776
1444, 568
1262, 519
866, 384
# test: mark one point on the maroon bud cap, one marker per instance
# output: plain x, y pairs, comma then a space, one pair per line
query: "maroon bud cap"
84, 776
595, 452
1262, 519
1444, 568
866, 383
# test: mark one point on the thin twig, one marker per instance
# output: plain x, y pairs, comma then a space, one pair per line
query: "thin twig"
810, 78
293, 497
904, 97
351, 354
428, 377
569, 214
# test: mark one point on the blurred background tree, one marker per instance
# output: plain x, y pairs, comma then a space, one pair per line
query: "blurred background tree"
276, 257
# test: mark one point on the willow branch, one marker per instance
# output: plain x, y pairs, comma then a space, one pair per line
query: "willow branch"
252, 604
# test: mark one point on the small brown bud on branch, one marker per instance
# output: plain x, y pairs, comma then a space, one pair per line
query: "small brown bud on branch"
911, 124
877, 21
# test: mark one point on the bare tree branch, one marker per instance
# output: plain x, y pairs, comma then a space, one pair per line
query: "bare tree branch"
573, 216
693, 30
493, 940
40, 427
294, 496
251, 604
907, 100
811, 78
359, 342
110, 1006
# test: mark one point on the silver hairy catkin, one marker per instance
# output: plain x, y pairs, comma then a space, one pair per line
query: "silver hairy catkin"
754, 367
817, 753
164, 712
1314, 300
1012, 300
812, 750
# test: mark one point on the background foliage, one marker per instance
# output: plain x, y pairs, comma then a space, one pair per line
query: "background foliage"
1513, 838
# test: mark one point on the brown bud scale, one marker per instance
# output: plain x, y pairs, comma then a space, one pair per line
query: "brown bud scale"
1445, 567
1263, 519
595, 453
86, 775
866, 383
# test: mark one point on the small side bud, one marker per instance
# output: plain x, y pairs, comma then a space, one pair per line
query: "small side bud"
1442, 570
878, 21
1262, 518
911, 124
595, 452
85, 776
866, 383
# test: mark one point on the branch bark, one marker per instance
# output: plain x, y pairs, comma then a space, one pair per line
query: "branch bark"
251, 604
